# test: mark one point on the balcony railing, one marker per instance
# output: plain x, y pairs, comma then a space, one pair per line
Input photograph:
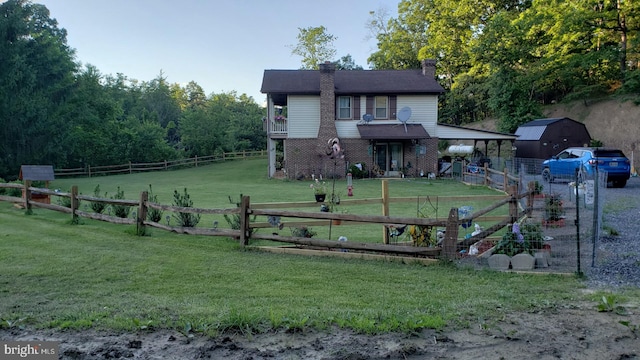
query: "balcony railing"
278, 127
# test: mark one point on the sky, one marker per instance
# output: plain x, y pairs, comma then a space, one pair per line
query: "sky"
223, 45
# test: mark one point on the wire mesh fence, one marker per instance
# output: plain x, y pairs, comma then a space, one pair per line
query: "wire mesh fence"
567, 209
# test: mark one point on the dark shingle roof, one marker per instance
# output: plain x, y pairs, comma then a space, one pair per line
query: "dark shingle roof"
542, 122
307, 82
36, 172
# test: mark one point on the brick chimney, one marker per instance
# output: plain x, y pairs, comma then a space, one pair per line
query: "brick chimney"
429, 67
327, 102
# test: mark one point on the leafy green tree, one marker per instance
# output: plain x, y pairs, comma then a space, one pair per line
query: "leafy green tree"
315, 46
346, 63
399, 40
36, 74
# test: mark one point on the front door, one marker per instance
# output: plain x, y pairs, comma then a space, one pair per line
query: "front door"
389, 158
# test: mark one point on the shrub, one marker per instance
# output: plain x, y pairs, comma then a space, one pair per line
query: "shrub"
154, 215
553, 209
64, 201
121, 211
358, 173
184, 200
96, 206
303, 231
234, 219
15, 192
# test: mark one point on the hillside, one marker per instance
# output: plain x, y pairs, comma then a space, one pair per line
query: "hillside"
613, 122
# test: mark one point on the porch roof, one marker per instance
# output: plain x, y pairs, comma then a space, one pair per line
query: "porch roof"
392, 132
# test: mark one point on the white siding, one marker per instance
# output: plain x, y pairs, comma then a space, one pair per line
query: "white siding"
424, 110
347, 129
303, 114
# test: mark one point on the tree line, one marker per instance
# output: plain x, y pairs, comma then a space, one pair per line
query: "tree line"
502, 59
507, 58
54, 110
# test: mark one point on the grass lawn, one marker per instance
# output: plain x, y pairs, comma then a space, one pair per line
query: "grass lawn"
100, 275
211, 186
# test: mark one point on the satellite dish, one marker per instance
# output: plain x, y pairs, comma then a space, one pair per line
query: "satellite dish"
404, 115
367, 118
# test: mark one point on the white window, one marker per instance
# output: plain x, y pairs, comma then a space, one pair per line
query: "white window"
381, 106
344, 107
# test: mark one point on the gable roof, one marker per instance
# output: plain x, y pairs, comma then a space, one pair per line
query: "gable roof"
543, 122
530, 132
36, 172
307, 82
533, 130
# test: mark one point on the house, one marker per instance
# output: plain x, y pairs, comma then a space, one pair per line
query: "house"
543, 138
384, 119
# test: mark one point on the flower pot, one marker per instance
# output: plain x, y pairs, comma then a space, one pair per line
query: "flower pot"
499, 261
553, 223
320, 197
542, 259
523, 261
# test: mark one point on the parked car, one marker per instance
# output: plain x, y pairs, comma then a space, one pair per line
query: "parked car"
588, 160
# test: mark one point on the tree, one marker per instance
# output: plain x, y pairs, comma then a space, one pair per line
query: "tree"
399, 40
36, 74
315, 46
346, 63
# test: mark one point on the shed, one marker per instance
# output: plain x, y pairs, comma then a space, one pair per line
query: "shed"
37, 173
543, 138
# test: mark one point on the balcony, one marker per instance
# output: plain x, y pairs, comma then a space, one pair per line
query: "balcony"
277, 128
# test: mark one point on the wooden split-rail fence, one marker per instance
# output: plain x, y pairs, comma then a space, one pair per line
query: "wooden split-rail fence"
246, 232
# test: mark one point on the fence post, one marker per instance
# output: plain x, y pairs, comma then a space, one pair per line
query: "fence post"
486, 174
513, 203
244, 221
530, 191
385, 209
449, 245
74, 204
27, 195
89, 170
505, 178
142, 213
130, 167
196, 160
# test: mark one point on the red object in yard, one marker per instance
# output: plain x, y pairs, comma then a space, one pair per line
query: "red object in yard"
553, 223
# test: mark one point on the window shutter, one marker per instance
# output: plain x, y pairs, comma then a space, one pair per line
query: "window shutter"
393, 104
356, 107
370, 102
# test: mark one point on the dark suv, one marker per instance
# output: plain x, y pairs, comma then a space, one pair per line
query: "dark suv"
588, 160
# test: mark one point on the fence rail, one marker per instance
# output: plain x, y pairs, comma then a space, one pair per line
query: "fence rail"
246, 230
130, 168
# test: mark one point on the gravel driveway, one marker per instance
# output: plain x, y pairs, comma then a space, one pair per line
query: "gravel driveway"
618, 256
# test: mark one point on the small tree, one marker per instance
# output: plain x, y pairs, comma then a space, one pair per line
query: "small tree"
121, 211
184, 200
97, 206
154, 215
315, 46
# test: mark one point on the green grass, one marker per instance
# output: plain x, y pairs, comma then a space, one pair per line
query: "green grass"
211, 186
100, 275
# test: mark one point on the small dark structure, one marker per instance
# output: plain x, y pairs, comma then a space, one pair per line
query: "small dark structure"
29, 173
543, 138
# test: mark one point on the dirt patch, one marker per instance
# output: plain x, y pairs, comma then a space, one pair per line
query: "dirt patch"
572, 332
